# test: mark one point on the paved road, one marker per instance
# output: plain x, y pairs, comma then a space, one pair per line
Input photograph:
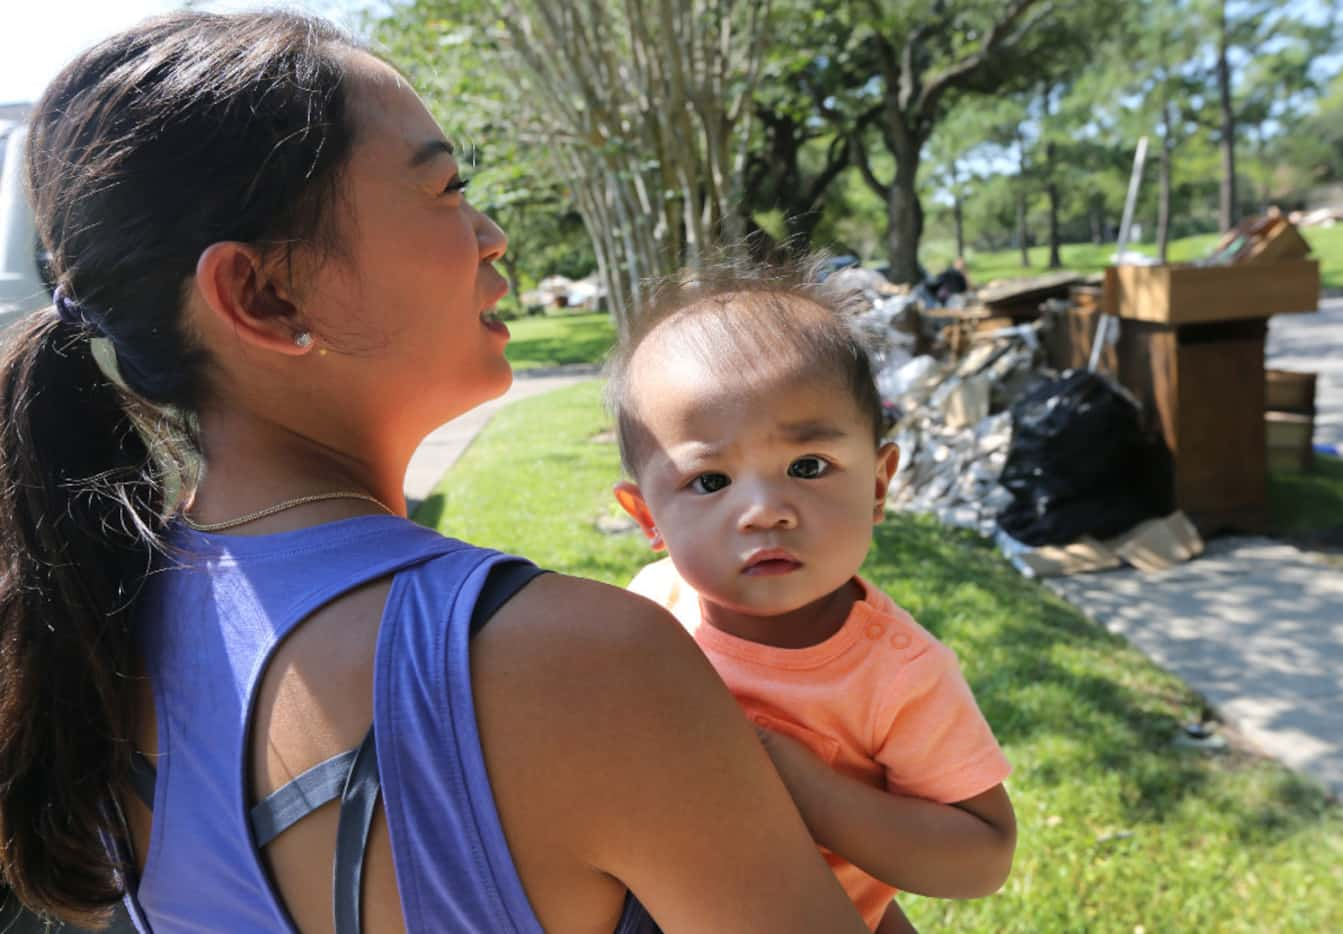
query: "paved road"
442, 448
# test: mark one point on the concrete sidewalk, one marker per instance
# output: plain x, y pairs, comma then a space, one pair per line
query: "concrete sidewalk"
441, 449
1256, 627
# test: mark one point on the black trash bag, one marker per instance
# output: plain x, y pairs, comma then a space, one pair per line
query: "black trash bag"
1080, 463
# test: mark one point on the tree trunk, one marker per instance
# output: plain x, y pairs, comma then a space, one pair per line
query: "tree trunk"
904, 215
1163, 201
1051, 185
958, 215
1021, 204
957, 210
1052, 192
1227, 193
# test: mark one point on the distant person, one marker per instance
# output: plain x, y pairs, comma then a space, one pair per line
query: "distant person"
937, 291
239, 685
750, 427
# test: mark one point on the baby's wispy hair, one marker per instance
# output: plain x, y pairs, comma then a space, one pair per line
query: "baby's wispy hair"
752, 314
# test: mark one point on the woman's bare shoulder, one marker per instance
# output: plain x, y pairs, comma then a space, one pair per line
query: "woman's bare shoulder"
586, 622
615, 752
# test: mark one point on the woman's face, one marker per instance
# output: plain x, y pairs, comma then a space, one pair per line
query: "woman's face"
406, 307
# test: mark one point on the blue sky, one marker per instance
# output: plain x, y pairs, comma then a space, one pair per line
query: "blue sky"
37, 37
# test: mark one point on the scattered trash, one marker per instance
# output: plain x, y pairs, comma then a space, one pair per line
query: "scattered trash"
616, 525
1082, 556
1158, 544
1199, 736
1113, 836
1268, 238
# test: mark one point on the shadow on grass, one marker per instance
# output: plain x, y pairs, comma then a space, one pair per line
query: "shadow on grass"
1308, 503
1046, 677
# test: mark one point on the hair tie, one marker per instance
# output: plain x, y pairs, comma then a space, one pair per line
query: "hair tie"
72, 312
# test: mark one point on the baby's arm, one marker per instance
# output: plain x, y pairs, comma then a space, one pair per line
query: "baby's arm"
960, 850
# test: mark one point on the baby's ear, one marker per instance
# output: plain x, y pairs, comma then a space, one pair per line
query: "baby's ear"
888, 460
631, 499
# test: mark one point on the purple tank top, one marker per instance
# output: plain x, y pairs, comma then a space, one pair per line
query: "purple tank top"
209, 623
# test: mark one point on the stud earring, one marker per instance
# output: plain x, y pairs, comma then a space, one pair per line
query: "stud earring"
303, 339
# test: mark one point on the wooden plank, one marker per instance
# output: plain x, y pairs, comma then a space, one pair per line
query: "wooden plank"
1200, 294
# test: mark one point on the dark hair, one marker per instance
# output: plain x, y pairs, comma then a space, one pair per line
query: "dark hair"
746, 311
184, 131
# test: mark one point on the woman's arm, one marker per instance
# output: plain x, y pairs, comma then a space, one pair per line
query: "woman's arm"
619, 759
961, 850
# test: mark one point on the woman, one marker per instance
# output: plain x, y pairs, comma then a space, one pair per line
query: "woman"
267, 266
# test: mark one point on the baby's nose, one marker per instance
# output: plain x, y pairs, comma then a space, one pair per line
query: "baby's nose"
766, 511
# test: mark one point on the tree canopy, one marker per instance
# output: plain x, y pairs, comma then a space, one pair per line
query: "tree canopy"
629, 136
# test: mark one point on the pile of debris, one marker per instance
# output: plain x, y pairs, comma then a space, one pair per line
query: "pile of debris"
948, 375
953, 427
949, 378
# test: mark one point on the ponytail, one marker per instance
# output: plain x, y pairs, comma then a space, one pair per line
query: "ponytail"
186, 130
78, 529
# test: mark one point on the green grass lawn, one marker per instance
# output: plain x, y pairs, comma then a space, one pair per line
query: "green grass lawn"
1326, 244
1307, 502
1119, 830
554, 340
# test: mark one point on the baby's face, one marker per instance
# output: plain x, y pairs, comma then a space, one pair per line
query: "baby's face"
763, 489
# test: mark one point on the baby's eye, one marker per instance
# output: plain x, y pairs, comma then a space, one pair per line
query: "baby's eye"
808, 468
709, 482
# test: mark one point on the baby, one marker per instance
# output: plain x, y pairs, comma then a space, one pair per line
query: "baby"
751, 428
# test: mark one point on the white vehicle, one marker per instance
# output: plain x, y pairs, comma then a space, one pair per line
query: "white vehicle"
21, 287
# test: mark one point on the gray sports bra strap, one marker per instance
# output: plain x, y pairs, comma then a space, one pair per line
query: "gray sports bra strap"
357, 803
286, 806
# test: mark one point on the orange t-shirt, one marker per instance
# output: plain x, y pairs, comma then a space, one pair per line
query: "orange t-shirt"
881, 701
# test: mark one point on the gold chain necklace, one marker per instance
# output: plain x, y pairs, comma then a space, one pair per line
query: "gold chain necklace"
281, 507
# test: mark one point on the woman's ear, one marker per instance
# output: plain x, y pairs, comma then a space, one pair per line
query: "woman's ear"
238, 291
888, 460
632, 500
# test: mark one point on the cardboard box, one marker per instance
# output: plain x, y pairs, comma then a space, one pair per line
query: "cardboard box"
1290, 440
1289, 391
1177, 295
1270, 238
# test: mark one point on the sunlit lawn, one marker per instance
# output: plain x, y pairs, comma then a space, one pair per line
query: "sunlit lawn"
555, 340
1119, 830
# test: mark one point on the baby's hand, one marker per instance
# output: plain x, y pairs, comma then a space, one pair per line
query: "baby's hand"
797, 765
